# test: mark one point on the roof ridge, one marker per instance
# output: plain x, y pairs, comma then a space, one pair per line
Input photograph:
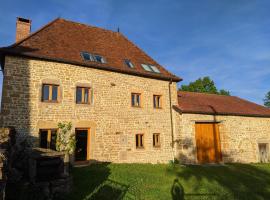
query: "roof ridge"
34, 33
205, 93
90, 26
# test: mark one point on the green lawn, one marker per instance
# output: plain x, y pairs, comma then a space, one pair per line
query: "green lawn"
146, 181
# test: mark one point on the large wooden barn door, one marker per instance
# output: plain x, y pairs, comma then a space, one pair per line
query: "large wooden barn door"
208, 143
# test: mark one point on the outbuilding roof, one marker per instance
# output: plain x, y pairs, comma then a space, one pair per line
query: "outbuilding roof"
63, 41
202, 103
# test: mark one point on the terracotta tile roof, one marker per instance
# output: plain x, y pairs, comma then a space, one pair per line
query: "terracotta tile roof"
201, 103
63, 41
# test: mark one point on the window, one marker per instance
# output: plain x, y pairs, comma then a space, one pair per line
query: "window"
48, 138
150, 68
157, 101
139, 141
129, 64
156, 140
83, 95
136, 100
50, 93
99, 59
155, 69
90, 57
87, 56
146, 67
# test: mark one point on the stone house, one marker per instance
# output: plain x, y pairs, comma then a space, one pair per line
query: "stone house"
123, 105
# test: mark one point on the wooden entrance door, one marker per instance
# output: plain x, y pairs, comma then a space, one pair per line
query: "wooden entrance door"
82, 144
208, 143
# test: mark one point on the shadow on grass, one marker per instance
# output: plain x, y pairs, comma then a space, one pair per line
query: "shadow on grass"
233, 181
177, 190
91, 182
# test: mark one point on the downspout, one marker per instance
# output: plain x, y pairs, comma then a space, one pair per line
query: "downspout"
171, 116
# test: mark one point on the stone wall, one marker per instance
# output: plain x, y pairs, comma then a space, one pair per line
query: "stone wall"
112, 120
239, 137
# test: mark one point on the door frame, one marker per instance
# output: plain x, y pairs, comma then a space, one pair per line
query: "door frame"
88, 141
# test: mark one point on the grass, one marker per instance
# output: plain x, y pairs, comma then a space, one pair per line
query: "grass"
146, 181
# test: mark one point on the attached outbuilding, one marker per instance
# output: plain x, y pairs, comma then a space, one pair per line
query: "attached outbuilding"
216, 128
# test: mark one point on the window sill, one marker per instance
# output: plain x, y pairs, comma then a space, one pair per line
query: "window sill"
52, 102
157, 147
140, 148
86, 104
136, 107
158, 108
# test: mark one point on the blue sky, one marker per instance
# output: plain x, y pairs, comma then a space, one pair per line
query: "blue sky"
228, 40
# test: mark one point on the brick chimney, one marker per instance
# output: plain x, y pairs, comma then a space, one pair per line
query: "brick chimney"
23, 28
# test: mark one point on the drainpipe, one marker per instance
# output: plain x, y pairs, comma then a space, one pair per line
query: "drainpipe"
172, 133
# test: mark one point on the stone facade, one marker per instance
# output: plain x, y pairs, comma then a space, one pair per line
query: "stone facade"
239, 137
112, 120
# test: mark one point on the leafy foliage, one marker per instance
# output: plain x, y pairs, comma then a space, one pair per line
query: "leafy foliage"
65, 138
267, 100
204, 85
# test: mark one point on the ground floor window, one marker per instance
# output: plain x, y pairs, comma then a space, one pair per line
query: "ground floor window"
47, 138
156, 140
139, 141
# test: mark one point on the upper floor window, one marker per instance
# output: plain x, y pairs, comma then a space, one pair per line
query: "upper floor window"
136, 99
50, 93
129, 63
157, 101
91, 57
83, 95
150, 68
47, 138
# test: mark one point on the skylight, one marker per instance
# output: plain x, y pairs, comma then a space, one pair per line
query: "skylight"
150, 68
90, 57
129, 63
87, 56
99, 58
154, 68
146, 68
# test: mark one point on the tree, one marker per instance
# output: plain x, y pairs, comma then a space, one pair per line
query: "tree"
204, 85
65, 141
266, 100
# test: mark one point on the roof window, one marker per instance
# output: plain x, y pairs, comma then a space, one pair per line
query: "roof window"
129, 63
87, 56
150, 68
155, 69
90, 57
99, 59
